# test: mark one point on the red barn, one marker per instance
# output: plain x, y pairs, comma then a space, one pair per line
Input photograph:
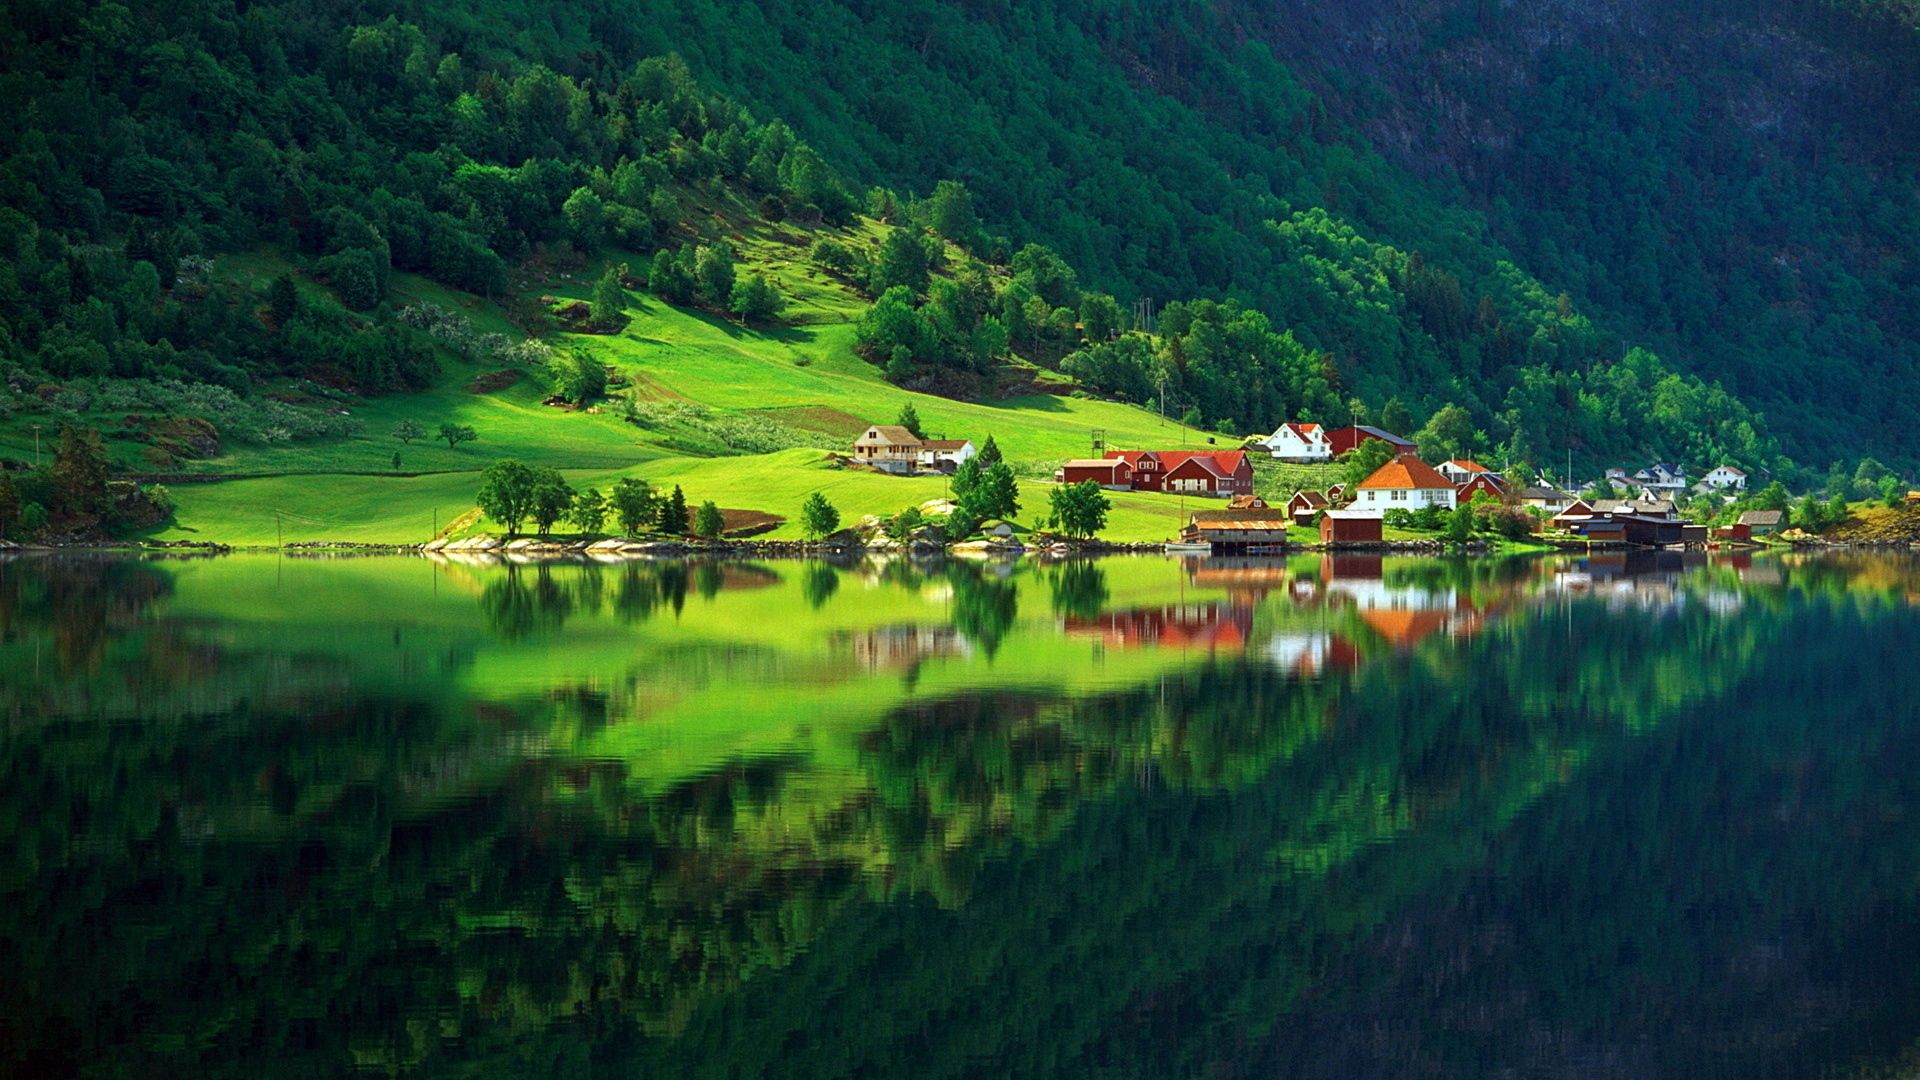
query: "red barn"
1198, 472
1350, 527
1346, 438
1108, 473
1485, 482
1304, 505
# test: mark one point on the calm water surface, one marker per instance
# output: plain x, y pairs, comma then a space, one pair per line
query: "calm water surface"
1139, 817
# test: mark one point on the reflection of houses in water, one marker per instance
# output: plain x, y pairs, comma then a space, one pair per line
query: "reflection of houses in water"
1209, 626
1645, 580
890, 647
1311, 655
1246, 580
1403, 614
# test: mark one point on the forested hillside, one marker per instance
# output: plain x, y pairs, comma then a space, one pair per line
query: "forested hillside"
1388, 243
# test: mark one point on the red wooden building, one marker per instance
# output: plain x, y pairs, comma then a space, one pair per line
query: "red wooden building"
1350, 527
1195, 472
1108, 473
1346, 438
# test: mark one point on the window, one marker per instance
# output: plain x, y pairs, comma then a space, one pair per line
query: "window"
1399, 496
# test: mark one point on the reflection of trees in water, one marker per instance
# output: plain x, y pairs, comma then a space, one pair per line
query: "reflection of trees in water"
77, 603
985, 604
392, 865
522, 600
1079, 589
818, 582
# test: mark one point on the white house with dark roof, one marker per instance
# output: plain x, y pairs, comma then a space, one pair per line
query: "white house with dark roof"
1726, 476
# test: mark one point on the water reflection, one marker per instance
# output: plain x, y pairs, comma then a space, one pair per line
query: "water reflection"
1336, 816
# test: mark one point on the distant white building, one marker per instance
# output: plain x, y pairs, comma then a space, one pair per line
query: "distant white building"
1300, 443
1726, 476
944, 454
1461, 470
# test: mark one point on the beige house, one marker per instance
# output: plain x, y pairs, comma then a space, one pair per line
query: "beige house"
887, 447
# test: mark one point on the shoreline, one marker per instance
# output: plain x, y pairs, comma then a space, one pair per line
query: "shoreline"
529, 550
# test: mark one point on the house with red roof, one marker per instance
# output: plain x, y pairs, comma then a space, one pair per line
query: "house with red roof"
1191, 472
1299, 443
1405, 483
1341, 440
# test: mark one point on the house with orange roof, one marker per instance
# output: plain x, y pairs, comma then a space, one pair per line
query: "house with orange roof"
1405, 483
1302, 444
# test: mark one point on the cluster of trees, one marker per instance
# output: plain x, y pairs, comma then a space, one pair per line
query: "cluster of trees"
71, 491
153, 139
513, 494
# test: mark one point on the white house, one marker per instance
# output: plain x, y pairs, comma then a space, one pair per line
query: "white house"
1405, 483
1726, 476
944, 454
1661, 476
1302, 443
1461, 470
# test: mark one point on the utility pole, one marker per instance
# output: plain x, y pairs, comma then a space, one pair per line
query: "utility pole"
279, 541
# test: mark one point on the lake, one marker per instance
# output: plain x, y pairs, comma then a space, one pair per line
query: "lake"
1644, 815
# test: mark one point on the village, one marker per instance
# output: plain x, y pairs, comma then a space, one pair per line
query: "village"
1391, 496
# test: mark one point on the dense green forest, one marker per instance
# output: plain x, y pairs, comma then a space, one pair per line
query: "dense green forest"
1102, 153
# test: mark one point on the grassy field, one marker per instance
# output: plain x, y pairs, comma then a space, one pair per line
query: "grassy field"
803, 377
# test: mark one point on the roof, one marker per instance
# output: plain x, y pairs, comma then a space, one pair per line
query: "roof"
1355, 515
1761, 517
1380, 433
1096, 463
1305, 431
1729, 468
1633, 506
1277, 518
1467, 465
1240, 526
1247, 502
1406, 473
1202, 462
1313, 498
891, 434
1537, 491
945, 444
1225, 462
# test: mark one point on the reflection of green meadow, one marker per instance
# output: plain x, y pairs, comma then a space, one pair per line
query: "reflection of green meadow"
544, 804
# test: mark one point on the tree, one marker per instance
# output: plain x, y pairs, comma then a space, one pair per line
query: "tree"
713, 274
396, 461
910, 419
577, 377
455, 434
708, 521
10, 503
901, 526
609, 303
283, 300
549, 499
673, 513
586, 218
1394, 416
950, 213
80, 471
632, 502
1460, 525
818, 516
966, 477
901, 263
994, 495
989, 453
755, 300
408, 430
669, 277
1099, 317
1080, 509
506, 493
1364, 460
1449, 433
589, 511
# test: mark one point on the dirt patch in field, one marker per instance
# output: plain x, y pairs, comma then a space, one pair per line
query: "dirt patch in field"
648, 389
822, 418
493, 381
737, 523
